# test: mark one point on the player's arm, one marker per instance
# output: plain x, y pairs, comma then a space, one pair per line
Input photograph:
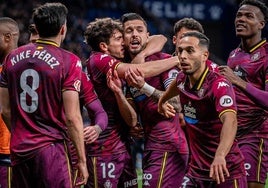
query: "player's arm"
259, 95
75, 129
137, 80
5, 105
155, 44
91, 133
151, 68
126, 110
218, 167
164, 107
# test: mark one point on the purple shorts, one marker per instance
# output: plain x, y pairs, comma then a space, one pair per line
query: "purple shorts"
115, 170
163, 169
255, 151
5, 177
189, 182
50, 167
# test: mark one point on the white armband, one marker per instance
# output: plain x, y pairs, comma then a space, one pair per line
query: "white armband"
147, 89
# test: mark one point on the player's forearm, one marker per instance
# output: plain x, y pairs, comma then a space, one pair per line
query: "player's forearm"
155, 44
126, 110
154, 68
260, 96
228, 133
100, 116
75, 130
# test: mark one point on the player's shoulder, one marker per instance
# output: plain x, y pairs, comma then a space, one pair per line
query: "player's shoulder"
218, 81
99, 56
158, 55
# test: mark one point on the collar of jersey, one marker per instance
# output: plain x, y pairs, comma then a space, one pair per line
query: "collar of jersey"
200, 81
42, 41
257, 46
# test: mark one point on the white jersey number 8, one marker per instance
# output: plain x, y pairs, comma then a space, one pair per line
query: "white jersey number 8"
30, 90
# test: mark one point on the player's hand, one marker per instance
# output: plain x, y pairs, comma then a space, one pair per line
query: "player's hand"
113, 81
218, 169
136, 131
166, 109
135, 78
228, 73
82, 173
91, 134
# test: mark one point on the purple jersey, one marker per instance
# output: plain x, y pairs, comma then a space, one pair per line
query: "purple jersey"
202, 106
161, 133
109, 141
36, 75
252, 67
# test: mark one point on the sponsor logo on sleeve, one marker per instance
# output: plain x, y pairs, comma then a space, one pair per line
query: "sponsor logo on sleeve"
226, 101
222, 84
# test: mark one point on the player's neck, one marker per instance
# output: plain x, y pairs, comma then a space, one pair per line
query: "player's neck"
248, 43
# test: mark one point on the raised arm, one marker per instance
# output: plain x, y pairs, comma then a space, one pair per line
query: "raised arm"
149, 69
137, 80
155, 44
164, 107
218, 167
75, 129
126, 110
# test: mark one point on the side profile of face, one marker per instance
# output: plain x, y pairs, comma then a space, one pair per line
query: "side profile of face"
135, 36
191, 55
249, 21
178, 35
116, 45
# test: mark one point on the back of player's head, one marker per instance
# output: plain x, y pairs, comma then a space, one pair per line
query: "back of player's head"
188, 23
203, 40
259, 4
101, 30
132, 16
49, 18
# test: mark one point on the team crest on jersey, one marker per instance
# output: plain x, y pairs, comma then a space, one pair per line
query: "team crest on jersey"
226, 101
255, 56
108, 184
77, 85
173, 73
222, 84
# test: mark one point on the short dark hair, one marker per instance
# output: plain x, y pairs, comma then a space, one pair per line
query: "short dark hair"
203, 39
188, 23
259, 4
101, 30
132, 16
49, 18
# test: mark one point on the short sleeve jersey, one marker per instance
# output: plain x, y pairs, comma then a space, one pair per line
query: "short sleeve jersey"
110, 140
202, 105
161, 133
36, 75
252, 67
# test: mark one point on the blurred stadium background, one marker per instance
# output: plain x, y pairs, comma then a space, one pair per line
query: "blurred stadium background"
217, 17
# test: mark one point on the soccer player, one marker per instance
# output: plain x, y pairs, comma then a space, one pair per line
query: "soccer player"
108, 156
166, 151
185, 25
208, 105
39, 91
9, 31
247, 69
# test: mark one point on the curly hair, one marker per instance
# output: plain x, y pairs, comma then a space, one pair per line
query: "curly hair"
101, 30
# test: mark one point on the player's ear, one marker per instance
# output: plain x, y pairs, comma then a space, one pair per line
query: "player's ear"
7, 37
103, 47
205, 55
174, 39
